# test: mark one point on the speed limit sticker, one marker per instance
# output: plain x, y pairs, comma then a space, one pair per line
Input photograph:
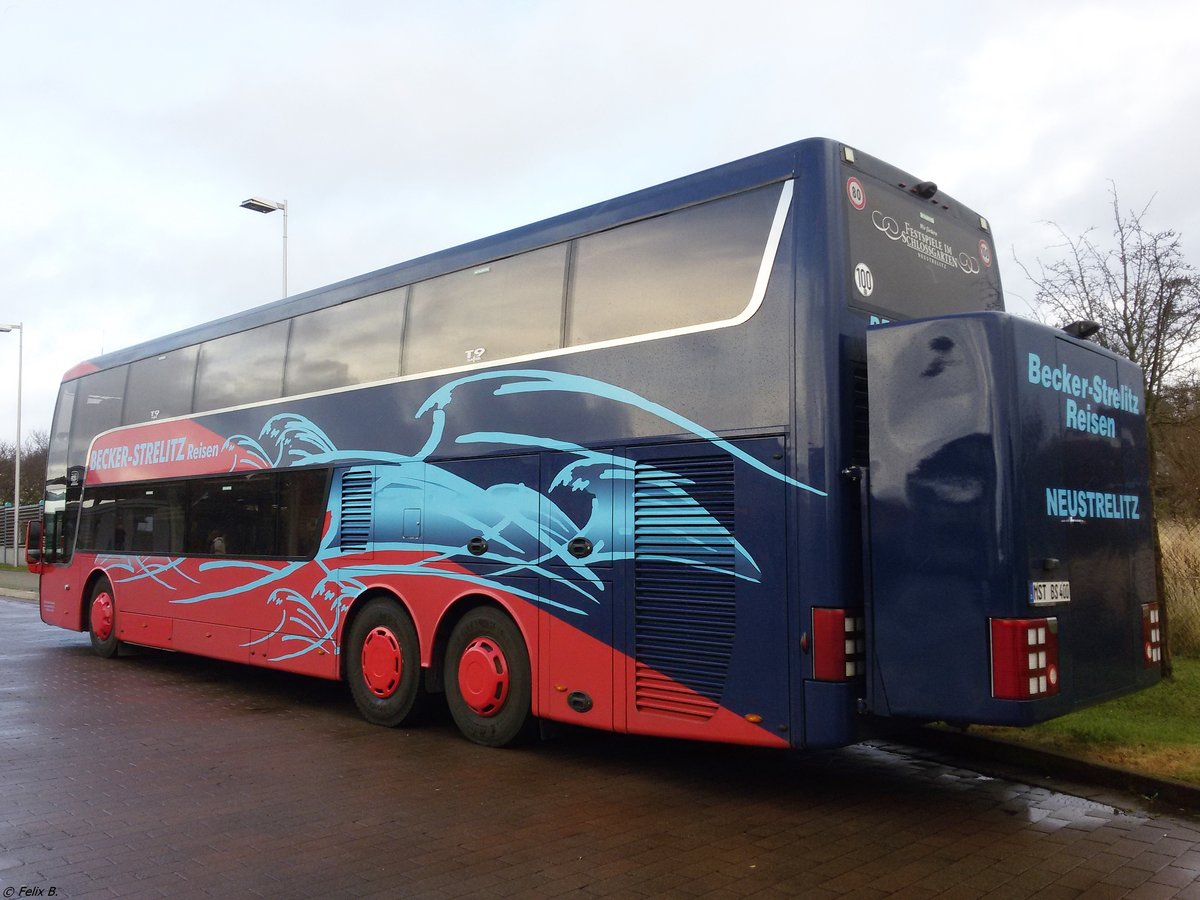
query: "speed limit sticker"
864, 280
854, 190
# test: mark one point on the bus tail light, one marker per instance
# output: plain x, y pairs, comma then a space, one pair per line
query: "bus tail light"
839, 644
1151, 635
1024, 658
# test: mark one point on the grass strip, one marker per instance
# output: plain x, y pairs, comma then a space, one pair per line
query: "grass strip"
1156, 731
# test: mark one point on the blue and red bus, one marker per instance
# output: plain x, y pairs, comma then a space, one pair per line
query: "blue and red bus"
751, 456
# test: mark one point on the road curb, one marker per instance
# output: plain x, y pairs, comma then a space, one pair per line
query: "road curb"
1047, 762
10, 594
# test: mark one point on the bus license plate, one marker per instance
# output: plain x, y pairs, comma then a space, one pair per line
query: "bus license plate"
1043, 592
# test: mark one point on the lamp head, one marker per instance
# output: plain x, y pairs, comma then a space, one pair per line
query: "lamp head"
258, 204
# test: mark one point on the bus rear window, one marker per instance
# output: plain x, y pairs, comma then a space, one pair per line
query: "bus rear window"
910, 258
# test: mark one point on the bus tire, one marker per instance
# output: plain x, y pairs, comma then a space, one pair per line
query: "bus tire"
488, 683
383, 664
102, 619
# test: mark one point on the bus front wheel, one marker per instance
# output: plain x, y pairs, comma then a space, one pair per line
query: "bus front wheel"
102, 620
488, 684
383, 664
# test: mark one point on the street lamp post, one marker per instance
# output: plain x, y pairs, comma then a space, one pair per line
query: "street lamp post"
20, 330
258, 204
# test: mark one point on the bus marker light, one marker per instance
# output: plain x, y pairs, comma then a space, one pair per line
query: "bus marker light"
1024, 658
1151, 635
753, 718
839, 644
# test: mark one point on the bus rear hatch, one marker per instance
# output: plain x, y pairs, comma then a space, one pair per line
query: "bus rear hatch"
1011, 561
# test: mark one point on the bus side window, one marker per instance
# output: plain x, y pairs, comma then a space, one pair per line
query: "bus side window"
233, 515
263, 515
241, 368
160, 386
511, 306
689, 267
352, 343
301, 511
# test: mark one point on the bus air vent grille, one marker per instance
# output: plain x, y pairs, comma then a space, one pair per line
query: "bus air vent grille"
684, 584
358, 497
861, 439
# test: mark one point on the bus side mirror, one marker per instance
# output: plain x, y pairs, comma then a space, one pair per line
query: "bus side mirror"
33, 546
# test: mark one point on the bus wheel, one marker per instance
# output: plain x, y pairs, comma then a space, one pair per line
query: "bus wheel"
383, 664
488, 685
102, 620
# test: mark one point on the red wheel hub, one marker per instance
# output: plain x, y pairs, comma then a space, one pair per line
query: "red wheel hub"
483, 676
102, 616
382, 662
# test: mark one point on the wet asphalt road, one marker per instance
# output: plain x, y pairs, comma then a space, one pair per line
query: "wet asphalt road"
166, 775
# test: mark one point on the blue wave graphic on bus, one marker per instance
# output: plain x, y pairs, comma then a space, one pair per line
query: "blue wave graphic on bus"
525, 381
145, 568
525, 530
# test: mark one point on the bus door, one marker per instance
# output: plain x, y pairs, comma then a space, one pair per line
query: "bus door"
484, 514
49, 550
580, 604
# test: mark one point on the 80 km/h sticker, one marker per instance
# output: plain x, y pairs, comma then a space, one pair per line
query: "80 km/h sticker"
854, 190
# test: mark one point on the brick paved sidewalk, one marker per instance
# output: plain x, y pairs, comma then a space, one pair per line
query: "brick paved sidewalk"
165, 775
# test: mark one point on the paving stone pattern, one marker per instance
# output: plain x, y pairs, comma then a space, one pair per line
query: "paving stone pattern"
158, 775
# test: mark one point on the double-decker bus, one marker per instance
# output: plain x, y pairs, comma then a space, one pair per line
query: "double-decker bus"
751, 456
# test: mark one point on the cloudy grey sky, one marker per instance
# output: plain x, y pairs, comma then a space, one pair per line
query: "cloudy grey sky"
130, 131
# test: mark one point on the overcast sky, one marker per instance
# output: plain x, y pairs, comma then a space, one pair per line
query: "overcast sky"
130, 131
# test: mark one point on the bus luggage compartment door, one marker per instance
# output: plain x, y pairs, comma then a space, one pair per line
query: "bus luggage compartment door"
1008, 503
576, 621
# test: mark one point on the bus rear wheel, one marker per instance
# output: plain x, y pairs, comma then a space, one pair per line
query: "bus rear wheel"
487, 678
383, 664
102, 620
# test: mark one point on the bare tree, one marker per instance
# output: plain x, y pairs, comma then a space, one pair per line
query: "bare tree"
1146, 298
34, 453
1140, 290
6, 472
34, 450
1177, 445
